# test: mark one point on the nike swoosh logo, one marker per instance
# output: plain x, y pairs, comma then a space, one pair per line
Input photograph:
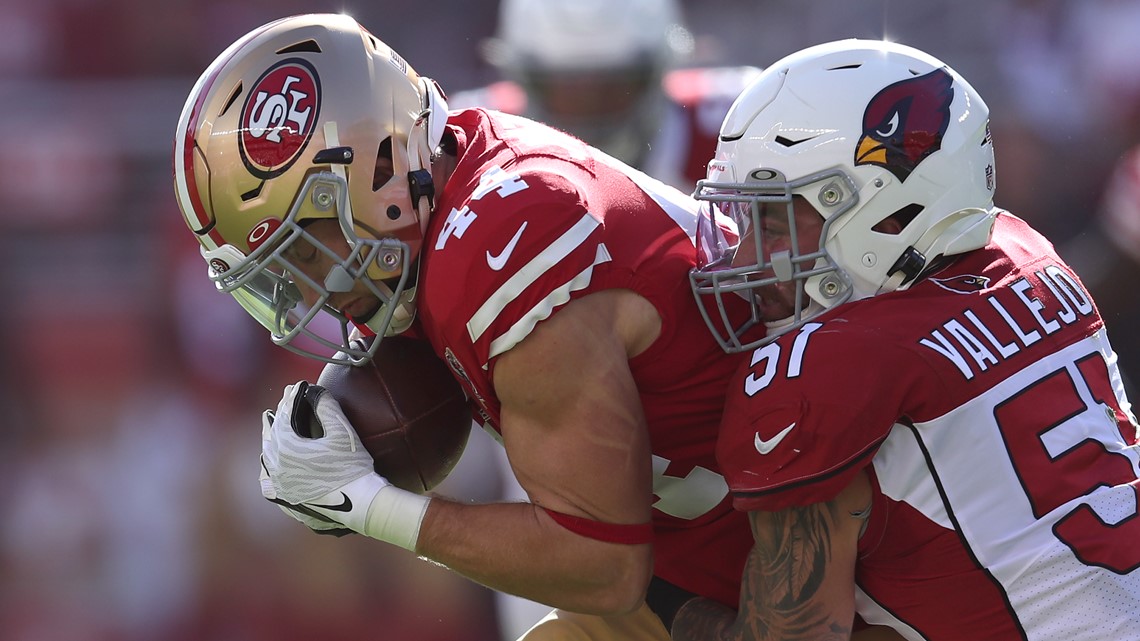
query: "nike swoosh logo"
344, 506
498, 262
788, 142
764, 447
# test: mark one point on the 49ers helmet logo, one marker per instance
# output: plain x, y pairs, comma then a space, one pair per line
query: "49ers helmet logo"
279, 116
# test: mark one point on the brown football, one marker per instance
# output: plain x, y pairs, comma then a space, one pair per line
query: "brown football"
409, 411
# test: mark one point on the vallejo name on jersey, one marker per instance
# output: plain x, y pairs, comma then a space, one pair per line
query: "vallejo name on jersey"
1010, 319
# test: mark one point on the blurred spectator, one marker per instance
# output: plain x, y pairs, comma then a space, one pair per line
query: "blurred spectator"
607, 73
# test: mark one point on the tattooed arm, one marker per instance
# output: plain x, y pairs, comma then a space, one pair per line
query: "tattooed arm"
799, 581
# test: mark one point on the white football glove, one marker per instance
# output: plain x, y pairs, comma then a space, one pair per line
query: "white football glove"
314, 466
320, 525
307, 517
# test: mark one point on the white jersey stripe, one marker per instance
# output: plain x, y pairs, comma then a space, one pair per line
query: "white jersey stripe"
543, 309
900, 466
517, 283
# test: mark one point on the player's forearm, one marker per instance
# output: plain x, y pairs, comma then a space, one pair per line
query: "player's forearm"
798, 582
517, 548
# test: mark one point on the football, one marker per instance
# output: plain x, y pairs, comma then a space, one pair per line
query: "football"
408, 409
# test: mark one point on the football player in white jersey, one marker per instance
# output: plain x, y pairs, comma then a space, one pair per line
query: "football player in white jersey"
934, 434
609, 73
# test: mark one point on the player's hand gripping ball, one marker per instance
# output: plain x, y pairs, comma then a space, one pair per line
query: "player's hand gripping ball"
408, 410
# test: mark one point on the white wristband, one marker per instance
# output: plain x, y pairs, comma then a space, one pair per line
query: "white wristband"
395, 516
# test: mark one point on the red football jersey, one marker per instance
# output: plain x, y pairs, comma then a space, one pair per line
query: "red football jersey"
531, 219
986, 405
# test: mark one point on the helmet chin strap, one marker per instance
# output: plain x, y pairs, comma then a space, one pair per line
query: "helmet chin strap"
424, 138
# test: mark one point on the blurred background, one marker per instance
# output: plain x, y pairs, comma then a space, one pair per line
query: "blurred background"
132, 392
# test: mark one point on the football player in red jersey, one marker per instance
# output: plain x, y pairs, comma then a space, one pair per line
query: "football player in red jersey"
934, 434
324, 178
605, 72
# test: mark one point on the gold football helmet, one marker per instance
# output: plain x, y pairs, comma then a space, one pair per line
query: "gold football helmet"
289, 125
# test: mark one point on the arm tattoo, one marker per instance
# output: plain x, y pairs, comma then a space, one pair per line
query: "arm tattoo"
785, 572
782, 580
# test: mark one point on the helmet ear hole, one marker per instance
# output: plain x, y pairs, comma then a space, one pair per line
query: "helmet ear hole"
895, 223
385, 167
232, 99
305, 46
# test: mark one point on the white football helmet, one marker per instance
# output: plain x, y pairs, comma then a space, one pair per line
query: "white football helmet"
286, 127
592, 67
863, 130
